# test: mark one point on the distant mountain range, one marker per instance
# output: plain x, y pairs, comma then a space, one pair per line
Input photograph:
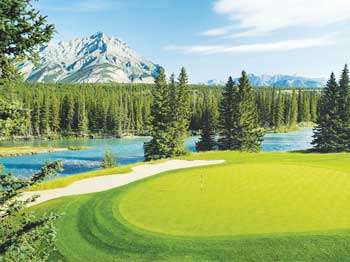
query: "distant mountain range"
98, 58
278, 80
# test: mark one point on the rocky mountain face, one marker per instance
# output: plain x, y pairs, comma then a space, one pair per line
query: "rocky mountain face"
95, 59
279, 81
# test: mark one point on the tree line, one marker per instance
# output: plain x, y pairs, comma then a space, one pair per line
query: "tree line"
78, 110
232, 123
332, 133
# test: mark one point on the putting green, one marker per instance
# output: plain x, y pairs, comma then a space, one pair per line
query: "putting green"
241, 199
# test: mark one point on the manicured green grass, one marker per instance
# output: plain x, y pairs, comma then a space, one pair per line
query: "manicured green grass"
241, 199
255, 207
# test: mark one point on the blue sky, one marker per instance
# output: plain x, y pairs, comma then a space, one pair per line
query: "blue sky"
217, 38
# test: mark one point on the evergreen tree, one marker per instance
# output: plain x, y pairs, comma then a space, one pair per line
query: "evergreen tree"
300, 107
67, 112
306, 109
313, 107
248, 135
55, 115
45, 117
344, 109
273, 108
109, 160
22, 31
25, 236
35, 119
207, 140
293, 112
81, 118
228, 114
329, 122
180, 117
279, 112
14, 119
112, 119
158, 147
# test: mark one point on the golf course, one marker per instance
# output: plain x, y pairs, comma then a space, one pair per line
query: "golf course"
252, 207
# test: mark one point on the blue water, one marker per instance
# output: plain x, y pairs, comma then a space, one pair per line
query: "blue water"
127, 150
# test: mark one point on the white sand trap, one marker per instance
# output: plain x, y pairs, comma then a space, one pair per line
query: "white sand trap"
102, 183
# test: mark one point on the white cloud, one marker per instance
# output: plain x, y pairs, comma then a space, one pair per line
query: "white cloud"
252, 48
218, 31
257, 17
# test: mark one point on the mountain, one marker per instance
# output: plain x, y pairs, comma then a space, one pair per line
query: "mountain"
278, 80
98, 58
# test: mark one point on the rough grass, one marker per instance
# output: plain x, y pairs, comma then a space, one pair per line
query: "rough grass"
255, 207
66, 181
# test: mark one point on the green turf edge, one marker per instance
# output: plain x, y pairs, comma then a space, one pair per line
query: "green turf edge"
68, 180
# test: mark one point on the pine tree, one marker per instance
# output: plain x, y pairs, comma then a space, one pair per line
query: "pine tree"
344, 109
158, 147
45, 118
329, 122
313, 107
207, 140
293, 112
300, 107
228, 114
55, 115
109, 160
67, 113
279, 112
273, 108
35, 119
23, 30
306, 108
180, 117
81, 119
24, 235
248, 134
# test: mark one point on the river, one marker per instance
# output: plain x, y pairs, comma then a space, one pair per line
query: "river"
127, 150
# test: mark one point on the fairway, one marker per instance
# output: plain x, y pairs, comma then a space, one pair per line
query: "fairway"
241, 199
254, 207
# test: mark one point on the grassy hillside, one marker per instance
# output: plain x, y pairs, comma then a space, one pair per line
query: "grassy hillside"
255, 207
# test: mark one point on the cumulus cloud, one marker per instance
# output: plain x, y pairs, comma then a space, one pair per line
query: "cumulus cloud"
252, 48
257, 17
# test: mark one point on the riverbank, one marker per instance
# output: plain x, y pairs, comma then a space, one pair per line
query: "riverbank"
34, 150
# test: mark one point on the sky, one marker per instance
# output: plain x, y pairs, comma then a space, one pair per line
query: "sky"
214, 39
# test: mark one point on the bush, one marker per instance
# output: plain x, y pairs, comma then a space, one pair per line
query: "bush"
109, 160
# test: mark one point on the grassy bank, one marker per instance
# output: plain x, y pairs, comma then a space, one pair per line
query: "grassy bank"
33, 150
66, 181
27, 150
255, 207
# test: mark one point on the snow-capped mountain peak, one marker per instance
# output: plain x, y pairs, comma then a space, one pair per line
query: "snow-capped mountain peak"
97, 58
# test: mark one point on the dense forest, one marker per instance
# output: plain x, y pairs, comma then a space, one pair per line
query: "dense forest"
123, 109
